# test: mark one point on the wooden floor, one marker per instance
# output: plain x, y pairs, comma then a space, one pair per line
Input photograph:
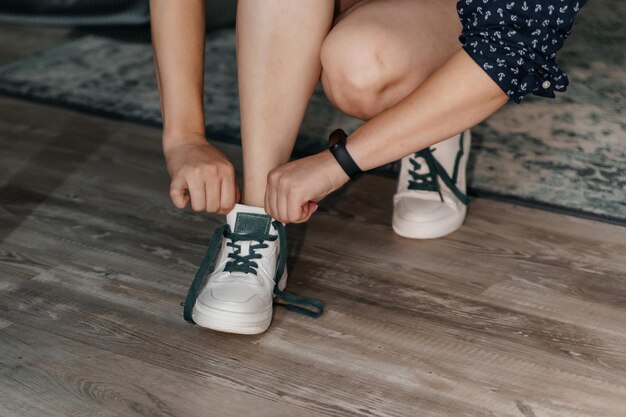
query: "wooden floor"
521, 312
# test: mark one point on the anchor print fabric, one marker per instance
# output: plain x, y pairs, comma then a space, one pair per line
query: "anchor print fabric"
516, 41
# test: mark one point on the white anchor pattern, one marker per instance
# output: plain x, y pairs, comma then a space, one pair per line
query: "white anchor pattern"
516, 41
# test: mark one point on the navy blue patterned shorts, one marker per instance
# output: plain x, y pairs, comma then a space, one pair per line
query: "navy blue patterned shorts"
516, 42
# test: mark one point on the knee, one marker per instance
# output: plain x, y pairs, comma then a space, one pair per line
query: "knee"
354, 71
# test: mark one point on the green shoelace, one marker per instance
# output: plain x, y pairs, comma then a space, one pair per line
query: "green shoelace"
245, 263
308, 306
429, 181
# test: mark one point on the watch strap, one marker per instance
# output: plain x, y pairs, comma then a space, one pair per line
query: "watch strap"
337, 147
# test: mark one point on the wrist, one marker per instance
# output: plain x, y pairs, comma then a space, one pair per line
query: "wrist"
172, 139
335, 174
183, 120
339, 151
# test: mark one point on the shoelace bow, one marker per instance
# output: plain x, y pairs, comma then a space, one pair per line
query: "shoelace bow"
429, 180
246, 264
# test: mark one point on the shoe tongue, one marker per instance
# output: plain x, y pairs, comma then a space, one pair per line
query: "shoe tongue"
246, 219
246, 223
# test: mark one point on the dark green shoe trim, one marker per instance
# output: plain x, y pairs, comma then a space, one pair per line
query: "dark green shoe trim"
206, 267
429, 181
252, 223
457, 160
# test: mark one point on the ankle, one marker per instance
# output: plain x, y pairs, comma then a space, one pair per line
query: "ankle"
252, 200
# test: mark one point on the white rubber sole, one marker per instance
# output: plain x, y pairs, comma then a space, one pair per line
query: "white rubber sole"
235, 322
427, 230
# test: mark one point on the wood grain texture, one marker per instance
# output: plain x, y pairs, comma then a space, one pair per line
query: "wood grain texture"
519, 313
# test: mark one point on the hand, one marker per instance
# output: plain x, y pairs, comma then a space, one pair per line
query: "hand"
293, 189
201, 173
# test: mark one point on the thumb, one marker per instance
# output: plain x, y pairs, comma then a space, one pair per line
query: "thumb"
307, 211
179, 192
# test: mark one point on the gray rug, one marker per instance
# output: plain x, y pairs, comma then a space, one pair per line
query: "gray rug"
567, 154
72, 12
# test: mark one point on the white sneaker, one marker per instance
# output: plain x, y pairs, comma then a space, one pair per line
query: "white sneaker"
247, 272
430, 201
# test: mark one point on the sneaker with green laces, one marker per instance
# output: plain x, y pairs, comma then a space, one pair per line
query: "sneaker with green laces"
243, 270
430, 201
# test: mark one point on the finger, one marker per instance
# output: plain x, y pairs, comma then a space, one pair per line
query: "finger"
213, 190
272, 202
197, 194
270, 199
227, 196
266, 203
282, 203
307, 211
312, 208
294, 208
237, 195
177, 192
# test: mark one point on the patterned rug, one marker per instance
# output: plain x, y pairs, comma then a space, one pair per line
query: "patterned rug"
567, 154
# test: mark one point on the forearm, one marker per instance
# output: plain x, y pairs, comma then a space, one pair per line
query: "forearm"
457, 96
178, 34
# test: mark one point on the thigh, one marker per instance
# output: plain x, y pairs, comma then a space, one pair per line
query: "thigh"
413, 38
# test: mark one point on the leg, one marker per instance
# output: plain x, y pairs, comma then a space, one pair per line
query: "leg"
379, 51
278, 49
278, 46
376, 55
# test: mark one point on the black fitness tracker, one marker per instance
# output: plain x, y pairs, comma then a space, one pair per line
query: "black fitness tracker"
337, 147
